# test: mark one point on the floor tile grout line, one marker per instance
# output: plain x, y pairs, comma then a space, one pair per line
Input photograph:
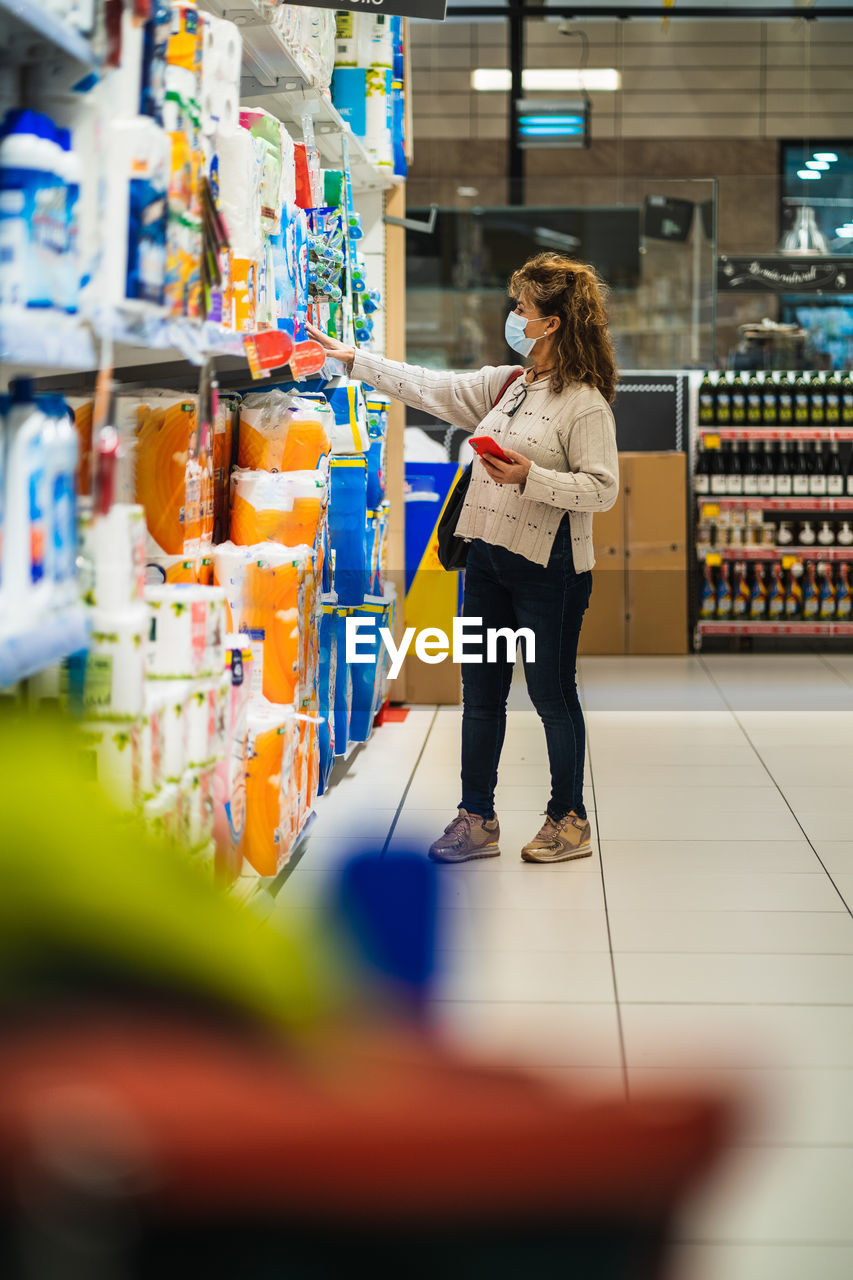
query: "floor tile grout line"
827, 663
622, 1054
764, 764
408, 786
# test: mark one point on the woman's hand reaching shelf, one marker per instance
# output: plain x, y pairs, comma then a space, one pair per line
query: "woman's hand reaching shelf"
337, 350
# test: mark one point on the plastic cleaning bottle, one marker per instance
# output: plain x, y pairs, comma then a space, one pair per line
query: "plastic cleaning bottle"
32, 210
71, 172
61, 453
24, 546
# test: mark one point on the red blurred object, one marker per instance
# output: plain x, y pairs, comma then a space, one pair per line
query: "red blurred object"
268, 349
393, 715
307, 359
303, 181
370, 1131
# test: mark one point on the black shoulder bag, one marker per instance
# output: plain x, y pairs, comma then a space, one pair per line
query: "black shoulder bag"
453, 551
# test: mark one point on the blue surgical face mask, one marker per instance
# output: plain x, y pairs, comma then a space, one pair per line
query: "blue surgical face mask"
514, 332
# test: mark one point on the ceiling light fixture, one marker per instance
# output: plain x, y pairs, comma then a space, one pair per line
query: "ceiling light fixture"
543, 80
818, 165
808, 174
829, 156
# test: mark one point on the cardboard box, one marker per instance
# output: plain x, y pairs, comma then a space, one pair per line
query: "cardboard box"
639, 594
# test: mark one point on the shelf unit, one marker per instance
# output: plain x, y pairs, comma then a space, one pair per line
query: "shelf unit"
31, 650
779, 433
776, 553
711, 628
31, 32
775, 504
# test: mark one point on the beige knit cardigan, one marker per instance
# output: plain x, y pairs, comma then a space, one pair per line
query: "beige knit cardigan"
570, 437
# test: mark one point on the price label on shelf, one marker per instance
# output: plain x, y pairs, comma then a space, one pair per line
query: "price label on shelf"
713, 558
712, 442
710, 511
788, 562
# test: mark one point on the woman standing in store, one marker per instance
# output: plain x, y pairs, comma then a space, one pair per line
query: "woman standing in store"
529, 524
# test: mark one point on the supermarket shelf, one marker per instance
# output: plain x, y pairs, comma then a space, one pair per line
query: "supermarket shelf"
29, 32
278, 82
776, 553
26, 652
39, 337
779, 433
776, 504
709, 628
249, 887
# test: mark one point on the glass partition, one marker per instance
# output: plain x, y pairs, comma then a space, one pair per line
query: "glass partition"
655, 249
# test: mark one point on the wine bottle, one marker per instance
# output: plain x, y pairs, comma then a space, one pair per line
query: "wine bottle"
793, 598
724, 595
707, 406
811, 595
708, 594
752, 471
826, 595
843, 598
734, 471
723, 401
769, 402
716, 471
817, 401
800, 480
834, 474
785, 401
776, 594
767, 479
740, 592
758, 594
817, 472
847, 400
701, 476
784, 473
802, 401
832, 398
849, 482
738, 392
753, 401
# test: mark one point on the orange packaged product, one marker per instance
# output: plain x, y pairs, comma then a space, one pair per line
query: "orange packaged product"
283, 432
272, 606
172, 474
284, 507
83, 413
268, 836
223, 438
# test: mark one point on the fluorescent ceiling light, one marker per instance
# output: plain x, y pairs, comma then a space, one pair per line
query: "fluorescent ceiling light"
844, 233
807, 174
818, 165
499, 80
825, 155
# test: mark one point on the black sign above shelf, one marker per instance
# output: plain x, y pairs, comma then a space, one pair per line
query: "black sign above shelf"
784, 273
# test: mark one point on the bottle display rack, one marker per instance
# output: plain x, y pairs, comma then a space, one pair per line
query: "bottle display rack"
771, 454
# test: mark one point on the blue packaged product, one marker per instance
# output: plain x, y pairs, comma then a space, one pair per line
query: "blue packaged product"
327, 671
398, 129
349, 96
368, 677
348, 526
376, 473
33, 219
342, 702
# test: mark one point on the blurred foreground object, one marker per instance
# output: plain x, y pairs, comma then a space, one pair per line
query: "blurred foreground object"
186, 1091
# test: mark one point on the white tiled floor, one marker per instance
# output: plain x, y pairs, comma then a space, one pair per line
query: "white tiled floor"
711, 930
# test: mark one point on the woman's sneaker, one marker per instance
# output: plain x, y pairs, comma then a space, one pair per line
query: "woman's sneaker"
561, 841
467, 836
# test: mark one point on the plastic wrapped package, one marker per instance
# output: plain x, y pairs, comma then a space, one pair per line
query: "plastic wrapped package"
153, 738
223, 443
348, 526
229, 811
186, 631
196, 812
283, 431
306, 771
283, 507
237, 171
350, 434
271, 748
116, 752
367, 676
171, 472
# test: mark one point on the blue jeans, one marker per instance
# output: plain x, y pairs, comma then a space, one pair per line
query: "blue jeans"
506, 590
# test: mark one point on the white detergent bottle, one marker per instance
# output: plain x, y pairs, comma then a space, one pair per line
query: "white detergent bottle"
61, 451
32, 210
27, 587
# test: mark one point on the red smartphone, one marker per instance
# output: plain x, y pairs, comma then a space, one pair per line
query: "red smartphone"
485, 444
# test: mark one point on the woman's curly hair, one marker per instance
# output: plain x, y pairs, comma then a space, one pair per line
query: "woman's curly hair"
573, 291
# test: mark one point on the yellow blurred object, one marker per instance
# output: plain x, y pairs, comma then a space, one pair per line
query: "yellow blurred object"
90, 892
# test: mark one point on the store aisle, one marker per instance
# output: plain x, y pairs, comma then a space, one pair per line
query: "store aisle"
711, 929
